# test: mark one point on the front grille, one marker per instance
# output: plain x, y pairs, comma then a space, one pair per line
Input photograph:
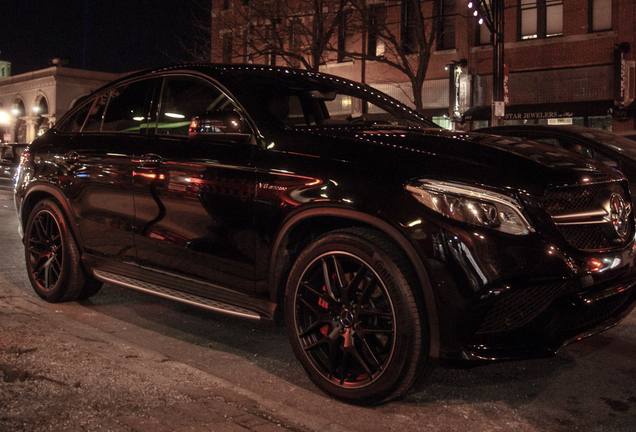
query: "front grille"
587, 234
516, 308
573, 198
598, 312
586, 237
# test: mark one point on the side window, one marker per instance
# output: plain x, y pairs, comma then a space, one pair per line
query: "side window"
126, 108
605, 159
76, 121
96, 113
187, 101
551, 141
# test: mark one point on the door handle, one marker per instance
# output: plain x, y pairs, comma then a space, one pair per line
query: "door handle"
68, 157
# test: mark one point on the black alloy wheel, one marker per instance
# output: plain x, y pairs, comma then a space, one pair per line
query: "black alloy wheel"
52, 257
353, 319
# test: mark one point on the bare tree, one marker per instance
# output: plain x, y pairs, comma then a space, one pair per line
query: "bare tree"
298, 32
400, 34
197, 45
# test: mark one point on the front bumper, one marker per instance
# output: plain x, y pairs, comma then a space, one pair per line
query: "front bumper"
538, 319
526, 298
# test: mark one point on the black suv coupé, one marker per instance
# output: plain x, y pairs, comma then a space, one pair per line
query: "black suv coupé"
384, 243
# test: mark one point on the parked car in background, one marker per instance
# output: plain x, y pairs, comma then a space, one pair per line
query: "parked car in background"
383, 243
10, 154
628, 134
613, 150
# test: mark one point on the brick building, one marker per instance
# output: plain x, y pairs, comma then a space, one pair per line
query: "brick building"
567, 62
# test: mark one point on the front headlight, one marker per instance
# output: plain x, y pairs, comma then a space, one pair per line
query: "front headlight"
472, 205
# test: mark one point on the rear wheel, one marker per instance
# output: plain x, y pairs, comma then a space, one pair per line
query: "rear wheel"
52, 257
355, 319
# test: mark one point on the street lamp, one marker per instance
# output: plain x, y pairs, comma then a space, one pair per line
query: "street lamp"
491, 13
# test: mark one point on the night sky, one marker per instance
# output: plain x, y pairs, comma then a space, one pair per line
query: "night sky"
107, 36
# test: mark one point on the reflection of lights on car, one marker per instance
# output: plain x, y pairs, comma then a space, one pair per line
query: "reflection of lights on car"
175, 115
598, 265
149, 175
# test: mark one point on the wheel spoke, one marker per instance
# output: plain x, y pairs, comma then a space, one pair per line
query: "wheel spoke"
365, 344
364, 364
351, 288
368, 290
326, 276
378, 313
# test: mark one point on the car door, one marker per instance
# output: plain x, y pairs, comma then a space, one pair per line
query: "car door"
194, 190
104, 137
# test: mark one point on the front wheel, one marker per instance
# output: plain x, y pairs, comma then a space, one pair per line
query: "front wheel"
355, 317
52, 257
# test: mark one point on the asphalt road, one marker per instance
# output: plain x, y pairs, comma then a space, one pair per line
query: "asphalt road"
588, 386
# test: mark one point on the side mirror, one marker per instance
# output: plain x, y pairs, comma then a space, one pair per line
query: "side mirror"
225, 125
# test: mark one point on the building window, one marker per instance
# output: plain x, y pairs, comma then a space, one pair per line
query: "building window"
446, 36
409, 25
540, 18
600, 15
346, 35
377, 19
226, 55
484, 37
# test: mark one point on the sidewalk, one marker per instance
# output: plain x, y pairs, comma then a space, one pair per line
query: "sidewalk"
57, 374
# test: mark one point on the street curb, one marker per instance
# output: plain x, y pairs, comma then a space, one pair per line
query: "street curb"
141, 360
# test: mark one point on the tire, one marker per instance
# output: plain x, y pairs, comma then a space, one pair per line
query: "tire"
91, 287
53, 258
355, 317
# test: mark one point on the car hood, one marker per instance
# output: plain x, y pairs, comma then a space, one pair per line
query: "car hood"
470, 157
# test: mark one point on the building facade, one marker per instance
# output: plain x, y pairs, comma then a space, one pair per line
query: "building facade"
565, 62
30, 103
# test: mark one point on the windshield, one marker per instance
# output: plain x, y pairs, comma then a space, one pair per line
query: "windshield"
615, 142
309, 100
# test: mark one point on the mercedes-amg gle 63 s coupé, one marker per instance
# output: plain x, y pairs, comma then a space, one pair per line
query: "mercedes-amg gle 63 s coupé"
383, 243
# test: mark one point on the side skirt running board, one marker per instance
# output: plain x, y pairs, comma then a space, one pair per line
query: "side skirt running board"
172, 294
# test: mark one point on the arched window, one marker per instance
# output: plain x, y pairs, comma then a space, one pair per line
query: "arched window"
18, 112
41, 108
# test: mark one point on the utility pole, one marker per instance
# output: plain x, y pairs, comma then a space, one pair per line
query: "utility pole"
491, 13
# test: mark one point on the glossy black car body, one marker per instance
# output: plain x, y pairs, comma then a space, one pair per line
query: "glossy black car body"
384, 243
614, 150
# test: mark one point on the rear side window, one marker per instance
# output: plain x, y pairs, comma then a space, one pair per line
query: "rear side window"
120, 110
94, 120
75, 122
